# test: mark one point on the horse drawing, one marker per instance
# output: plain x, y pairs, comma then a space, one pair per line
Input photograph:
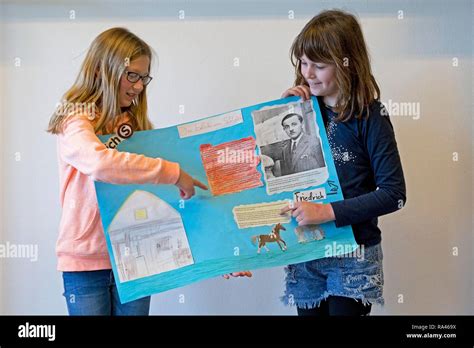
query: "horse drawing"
273, 236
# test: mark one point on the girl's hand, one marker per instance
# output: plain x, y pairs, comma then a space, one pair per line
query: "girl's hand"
302, 91
238, 274
307, 213
186, 185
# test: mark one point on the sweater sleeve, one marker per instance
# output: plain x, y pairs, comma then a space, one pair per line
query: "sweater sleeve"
390, 194
80, 147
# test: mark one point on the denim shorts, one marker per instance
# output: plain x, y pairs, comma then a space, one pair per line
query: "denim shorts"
95, 293
358, 275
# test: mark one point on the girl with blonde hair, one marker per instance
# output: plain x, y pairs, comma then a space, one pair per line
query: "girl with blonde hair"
109, 92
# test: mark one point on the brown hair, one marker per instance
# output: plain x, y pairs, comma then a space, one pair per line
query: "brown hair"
99, 79
335, 37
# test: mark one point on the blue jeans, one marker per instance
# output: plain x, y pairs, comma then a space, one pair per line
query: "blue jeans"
358, 276
95, 293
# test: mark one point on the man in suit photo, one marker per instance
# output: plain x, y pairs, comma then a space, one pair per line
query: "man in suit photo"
302, 151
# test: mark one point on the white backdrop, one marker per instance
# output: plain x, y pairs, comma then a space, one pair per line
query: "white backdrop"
419, 56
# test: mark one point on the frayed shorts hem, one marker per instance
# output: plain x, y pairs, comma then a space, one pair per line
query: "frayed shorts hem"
313, 303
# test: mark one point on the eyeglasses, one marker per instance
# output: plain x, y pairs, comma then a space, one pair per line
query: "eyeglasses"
133, 77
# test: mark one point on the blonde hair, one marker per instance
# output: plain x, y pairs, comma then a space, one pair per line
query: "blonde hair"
98, 81
335, 37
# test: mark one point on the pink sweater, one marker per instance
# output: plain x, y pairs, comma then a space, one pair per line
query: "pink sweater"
83, 158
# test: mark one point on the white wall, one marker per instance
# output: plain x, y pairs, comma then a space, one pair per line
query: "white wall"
2, 103
412, 60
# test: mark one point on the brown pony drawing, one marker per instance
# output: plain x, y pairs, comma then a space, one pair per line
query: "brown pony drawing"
273, 236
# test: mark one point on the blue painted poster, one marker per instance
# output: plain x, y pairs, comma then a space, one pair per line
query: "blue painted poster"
255, 160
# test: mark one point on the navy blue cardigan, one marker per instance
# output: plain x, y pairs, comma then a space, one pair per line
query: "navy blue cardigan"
369, 168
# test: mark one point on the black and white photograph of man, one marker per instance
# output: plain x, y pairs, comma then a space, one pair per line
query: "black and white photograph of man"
301, 152
288, 140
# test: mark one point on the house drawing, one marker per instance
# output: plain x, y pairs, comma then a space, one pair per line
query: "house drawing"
148, 237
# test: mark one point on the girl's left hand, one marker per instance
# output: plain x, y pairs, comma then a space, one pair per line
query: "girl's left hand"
307, 213
238, 274
302, 91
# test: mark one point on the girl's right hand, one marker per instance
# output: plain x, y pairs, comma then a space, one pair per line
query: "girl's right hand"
302, 91
186, 185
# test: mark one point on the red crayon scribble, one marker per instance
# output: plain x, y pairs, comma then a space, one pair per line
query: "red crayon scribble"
231, 167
